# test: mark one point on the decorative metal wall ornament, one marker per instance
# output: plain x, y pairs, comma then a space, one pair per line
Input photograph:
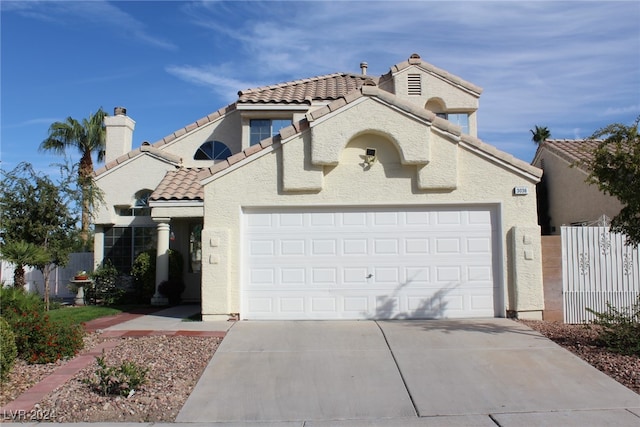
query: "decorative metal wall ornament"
627, 263
583, 263
605, 243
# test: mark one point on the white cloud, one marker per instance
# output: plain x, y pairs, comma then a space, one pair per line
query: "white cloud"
210, 77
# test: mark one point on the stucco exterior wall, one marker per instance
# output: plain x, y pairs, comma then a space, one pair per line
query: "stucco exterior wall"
434, 87
224, 129
389, 182
121, 184
571, 199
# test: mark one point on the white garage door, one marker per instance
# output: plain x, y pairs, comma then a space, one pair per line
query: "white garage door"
383, 263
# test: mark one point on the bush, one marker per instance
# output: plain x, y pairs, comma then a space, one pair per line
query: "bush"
122, 380
15, 301
104, 288
41, 340
619, 329
38, 339
144, 273
172, 289
8, 350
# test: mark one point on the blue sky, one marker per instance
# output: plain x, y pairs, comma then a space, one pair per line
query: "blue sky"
570, 66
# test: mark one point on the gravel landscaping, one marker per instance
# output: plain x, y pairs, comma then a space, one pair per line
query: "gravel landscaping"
176, 362
582, 341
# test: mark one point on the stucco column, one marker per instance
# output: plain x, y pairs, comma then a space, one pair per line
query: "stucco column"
162, 259
527, 294
98, 246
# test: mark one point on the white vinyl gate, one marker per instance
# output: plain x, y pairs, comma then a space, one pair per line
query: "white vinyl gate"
597, 267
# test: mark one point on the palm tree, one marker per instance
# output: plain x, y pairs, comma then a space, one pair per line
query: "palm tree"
540, 134
88, 138
21, 254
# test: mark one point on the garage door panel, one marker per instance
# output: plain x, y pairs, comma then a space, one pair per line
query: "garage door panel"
262, 248
355, 246
292, 305
292, 247
325, 219
324, 247
352, 264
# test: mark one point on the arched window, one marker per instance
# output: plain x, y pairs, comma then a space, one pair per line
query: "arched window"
140, 206
212, 150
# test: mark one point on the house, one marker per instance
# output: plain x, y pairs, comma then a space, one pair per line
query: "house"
342, 196
565, 198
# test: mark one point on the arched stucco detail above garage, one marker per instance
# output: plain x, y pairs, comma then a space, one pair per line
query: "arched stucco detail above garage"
410, 133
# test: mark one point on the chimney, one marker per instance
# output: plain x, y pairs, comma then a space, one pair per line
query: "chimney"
119, 139
363, 68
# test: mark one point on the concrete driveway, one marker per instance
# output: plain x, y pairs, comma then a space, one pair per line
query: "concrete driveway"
451, 373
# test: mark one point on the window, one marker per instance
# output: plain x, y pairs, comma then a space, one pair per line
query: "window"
195, 248
265, 128
212, 150
461, 120
123, 244
140, 207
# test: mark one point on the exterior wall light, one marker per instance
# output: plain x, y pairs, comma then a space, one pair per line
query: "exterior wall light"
370, 156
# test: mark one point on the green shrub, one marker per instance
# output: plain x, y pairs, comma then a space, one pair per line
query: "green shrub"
38, 339
121, 380
41, 340
104, 288
8, 350
172, 289
15, 301
176, 265
143, 272
619, 328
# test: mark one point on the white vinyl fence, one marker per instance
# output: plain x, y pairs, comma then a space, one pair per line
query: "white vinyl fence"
59, 277
597, 267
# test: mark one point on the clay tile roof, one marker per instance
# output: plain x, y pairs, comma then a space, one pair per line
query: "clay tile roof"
179, 184
327, 87
571, 150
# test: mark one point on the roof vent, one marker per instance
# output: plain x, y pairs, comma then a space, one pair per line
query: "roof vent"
363, 68
414, 84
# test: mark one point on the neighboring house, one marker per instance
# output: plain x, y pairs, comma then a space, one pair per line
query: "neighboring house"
565, 198
343, 196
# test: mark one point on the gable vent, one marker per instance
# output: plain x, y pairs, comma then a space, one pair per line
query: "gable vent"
414, 84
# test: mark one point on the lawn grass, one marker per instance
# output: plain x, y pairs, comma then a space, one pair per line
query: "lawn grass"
82, 314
